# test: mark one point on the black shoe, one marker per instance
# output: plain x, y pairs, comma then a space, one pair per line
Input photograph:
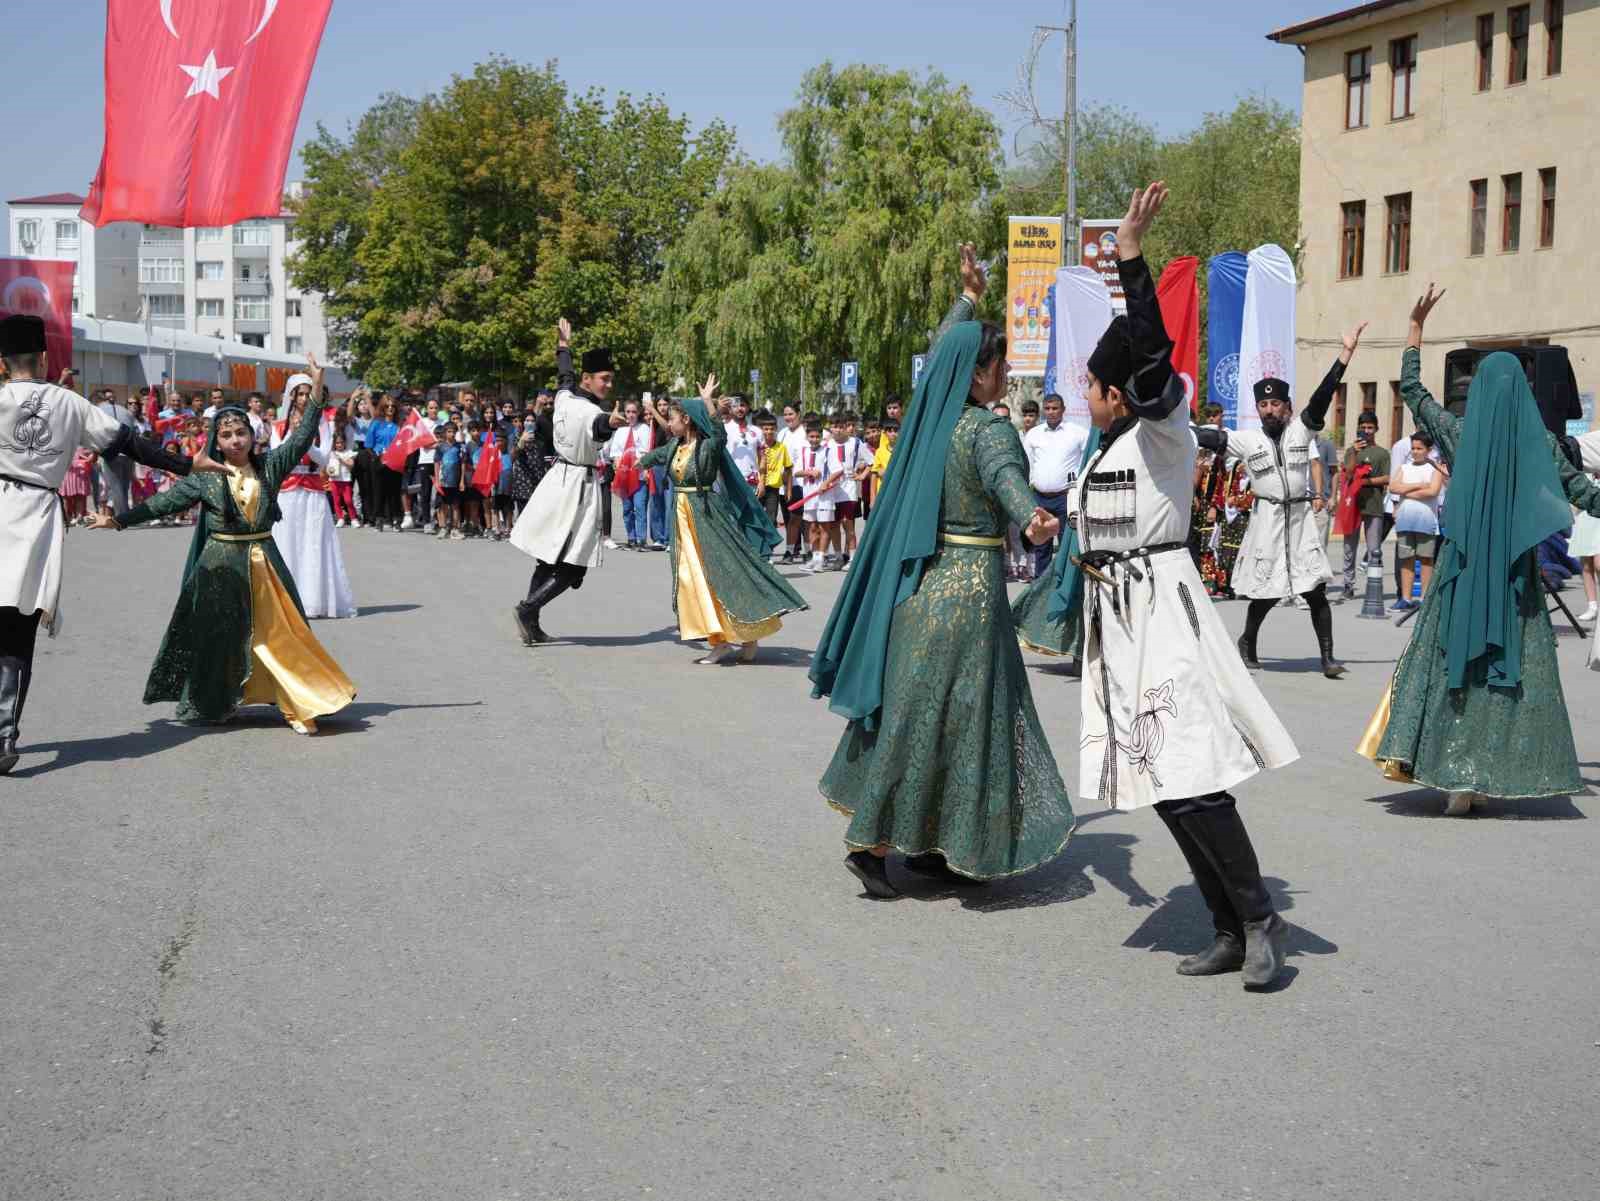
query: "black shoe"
1226, 954
933, 863
1331, 667
874, 876
1265, 943
528, 622
1075, 669
8, 754
788, 558
13, 692
1247, 652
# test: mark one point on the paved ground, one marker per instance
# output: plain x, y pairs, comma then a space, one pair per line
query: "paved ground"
571, 923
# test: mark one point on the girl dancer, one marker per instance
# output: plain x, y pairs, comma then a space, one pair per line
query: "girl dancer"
305, 534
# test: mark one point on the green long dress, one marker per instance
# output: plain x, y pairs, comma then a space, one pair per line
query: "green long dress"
958, 762
206, 657
710, 553
1502, 742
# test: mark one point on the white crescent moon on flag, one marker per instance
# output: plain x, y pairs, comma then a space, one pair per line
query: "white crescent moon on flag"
272, 7
24, 283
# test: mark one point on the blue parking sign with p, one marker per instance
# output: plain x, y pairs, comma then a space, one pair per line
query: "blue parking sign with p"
849, 375
918, 362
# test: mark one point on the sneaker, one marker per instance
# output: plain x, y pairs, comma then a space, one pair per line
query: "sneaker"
610, 544
457, 536
429, 528
788, 558
1589, 615
406, 523
658, 546
1400, 605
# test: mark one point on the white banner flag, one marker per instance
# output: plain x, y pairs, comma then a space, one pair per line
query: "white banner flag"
1083, 310
1266, 347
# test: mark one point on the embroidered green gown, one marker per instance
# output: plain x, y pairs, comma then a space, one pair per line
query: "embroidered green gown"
1502, 742
722, 590
959, 763
238, 634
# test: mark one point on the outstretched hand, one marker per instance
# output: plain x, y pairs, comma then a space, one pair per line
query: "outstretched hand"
1043, 528
1419, 314
103, 521
1351, 340
1143, 206
708, 390
563, 332
974, 279
203, 462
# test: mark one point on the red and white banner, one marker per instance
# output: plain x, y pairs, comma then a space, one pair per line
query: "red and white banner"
1266, 345
1178, 294
42, 288
1083, 311
202, 100
416, 434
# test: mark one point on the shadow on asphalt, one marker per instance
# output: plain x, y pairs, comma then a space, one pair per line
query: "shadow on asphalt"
375, 610
1310, 666
1429, 802
664, 634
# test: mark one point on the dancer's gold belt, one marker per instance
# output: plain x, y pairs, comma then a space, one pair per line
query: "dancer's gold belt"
261, 537
994, 542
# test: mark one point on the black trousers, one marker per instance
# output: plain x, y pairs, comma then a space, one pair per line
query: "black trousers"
389, 483
550, 580
366, 480
1321, 615
1216, 846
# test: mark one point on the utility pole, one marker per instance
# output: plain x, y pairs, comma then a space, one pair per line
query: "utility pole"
1069, 64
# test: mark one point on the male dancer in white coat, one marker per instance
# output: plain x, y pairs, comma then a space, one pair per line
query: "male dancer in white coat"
560, 526
1283, 553
1171, 717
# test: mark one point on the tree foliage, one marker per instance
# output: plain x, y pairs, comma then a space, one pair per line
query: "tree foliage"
507, 205
847, 249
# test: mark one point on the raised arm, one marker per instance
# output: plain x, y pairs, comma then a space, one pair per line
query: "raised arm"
184, 494
282, 458
1316, 411
1003, 471
1582, 492
1157, 390
974, 282
1430, 416
566, 377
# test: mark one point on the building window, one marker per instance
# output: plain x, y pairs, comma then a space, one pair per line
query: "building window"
1397, 413
291, 307
1369, 399
1358, 87
164, 308
1547, 206
1554, 18
1517, 40
1485, 51
160, 271
1402, 76
244, 273
77, 304
211, 233
250, 308
1480, 215
159, 235
1397, 234
1352, 238
28, 235
252, 233
66, 235
208, 269
288, 232
293, 345
208, 307
1511, 212
259, 341
1341, 408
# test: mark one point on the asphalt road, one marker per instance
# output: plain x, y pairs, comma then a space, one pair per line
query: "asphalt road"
572, 923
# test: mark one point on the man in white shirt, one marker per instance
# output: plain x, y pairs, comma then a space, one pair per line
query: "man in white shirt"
1055, 452
744, 441
794, 437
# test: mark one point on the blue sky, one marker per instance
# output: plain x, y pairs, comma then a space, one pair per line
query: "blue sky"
1168, 62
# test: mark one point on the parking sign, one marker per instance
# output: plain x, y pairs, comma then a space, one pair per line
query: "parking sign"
849, 374
918, 362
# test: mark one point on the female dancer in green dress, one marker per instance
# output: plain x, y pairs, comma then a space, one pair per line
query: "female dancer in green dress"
724, 590
1475, 708
238, 635
943, 758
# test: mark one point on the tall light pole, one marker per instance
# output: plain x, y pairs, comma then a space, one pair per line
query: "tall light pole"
1069, 64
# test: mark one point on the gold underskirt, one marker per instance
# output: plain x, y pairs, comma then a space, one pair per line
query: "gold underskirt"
288, 666
1372, 739
700, 613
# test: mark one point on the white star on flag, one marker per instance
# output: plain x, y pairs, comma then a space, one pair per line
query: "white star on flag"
206, 77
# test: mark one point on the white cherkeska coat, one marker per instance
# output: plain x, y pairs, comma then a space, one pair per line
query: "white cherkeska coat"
1169, 709
1282, 554
41, 427
561, 523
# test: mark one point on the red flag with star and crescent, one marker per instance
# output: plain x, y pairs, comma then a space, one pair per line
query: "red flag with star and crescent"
202, 100
42, 288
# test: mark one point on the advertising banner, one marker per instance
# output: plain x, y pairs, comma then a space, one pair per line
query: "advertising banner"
1033, 256
1266, 342
1082, 311
1097, 248
1225, 275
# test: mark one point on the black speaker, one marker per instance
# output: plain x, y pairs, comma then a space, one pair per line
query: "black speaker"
1549, 373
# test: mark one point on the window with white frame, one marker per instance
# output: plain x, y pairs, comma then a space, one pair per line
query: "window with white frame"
211, 233
66, 235
28, 234
208, 269
252, 233
291, 307
164, 307
208, 306
160, 271
160, 235
293, 345
250, 308
77, 304
244, 273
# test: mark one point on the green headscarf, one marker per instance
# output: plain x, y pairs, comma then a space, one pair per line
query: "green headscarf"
203, 523
900, 538
1505, 499
1068, 591
748, 514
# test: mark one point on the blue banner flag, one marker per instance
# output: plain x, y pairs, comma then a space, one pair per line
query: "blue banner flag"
1225, 275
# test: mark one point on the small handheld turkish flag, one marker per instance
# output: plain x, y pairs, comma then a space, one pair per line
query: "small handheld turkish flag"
414, 435
201, 106
487, 473
42, 288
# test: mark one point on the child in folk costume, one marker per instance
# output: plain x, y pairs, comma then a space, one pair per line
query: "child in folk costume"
305, 534
238, 635
1475, 708
1171, 716
724, 589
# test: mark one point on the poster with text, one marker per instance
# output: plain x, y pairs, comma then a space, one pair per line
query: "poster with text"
1097, 248
1031, 263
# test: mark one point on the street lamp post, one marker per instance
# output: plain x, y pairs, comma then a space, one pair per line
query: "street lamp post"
1069, 64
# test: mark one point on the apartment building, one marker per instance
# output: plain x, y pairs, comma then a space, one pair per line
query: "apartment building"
106, 282
1446, 140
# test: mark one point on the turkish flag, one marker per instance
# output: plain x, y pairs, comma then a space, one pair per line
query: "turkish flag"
202, 100
42, 288
487, 474
414, 435
1178, 294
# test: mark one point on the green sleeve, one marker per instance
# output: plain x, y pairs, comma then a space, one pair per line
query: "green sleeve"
280, 461
1582, 492
1443, 427
661, 456
1003, 469
184, 494
961, 309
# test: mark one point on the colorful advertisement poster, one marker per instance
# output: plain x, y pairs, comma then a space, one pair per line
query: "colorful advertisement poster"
1098, 249
1031, 264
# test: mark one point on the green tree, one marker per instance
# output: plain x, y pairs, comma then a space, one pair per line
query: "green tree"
1116, 152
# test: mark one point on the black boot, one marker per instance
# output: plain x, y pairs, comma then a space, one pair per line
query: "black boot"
1322, 624
1220, 833
873, 874
1253, 617
540, 594
1247, 651
1331, 667
13, 691
1226, 952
